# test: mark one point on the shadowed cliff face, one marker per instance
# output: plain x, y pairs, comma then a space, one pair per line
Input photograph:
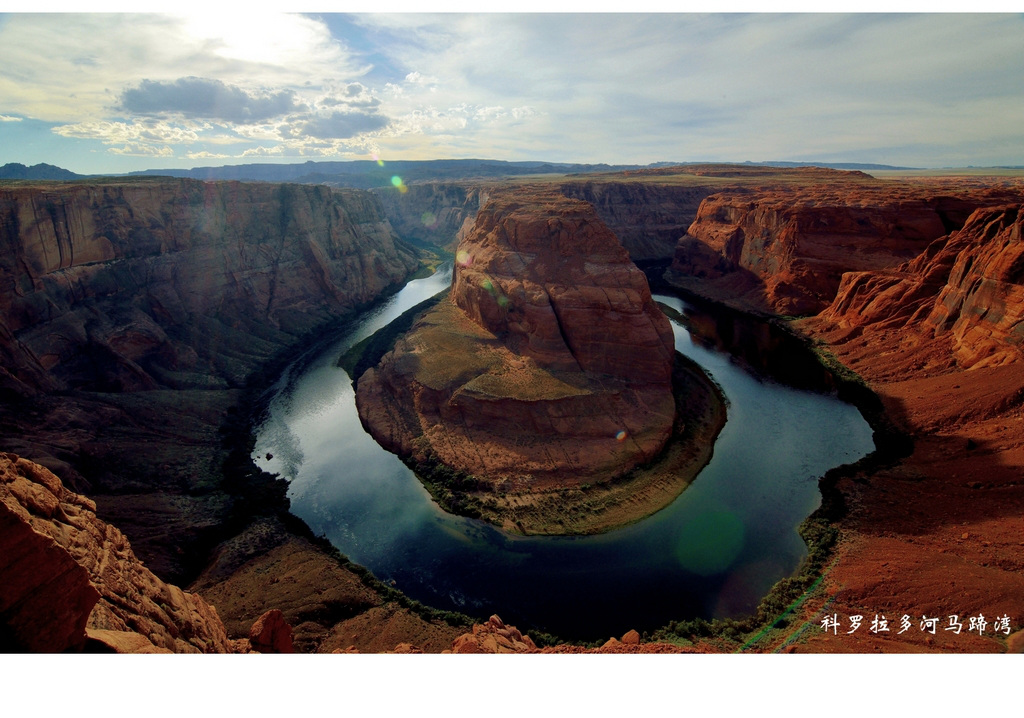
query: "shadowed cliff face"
549, 362
647, 218
178, 283
438, 213
133, 312
785, 249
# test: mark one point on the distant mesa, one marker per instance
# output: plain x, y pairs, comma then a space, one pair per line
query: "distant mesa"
18, 171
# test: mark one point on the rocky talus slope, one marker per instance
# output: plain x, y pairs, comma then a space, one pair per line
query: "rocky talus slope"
548, 363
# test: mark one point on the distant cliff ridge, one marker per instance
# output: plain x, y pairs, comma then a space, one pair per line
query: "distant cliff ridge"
18, 171
647, 218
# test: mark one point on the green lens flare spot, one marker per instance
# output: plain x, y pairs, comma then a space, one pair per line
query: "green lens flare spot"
710, 543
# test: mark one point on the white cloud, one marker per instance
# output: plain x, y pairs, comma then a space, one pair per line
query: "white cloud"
200, 97
90, 59
6, 118
592, 87
638, 88
116, 132
139, 149
262, 151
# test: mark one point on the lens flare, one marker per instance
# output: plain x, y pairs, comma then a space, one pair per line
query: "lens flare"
463, 258
429, 219
488, 285
399, 184
708, 544
378, 160
621, 436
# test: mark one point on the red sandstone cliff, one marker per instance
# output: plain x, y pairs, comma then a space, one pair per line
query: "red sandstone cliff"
964, 295
549, 363
71, 581
141, 284
647, 218
785, 249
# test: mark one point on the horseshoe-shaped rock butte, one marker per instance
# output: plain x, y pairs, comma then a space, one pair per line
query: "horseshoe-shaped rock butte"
548, 367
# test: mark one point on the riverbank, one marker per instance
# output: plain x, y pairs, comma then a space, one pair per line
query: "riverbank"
611, 502
601, 500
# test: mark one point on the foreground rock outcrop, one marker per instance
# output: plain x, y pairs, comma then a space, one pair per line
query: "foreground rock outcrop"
71, 581
548, 364
494, 636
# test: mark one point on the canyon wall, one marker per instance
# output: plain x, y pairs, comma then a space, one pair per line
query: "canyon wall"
647, 218
438, 213
178, 283
549, 362
784, 249
132, 314
964, 296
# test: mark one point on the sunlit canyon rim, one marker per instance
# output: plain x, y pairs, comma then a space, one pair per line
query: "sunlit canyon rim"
143, 320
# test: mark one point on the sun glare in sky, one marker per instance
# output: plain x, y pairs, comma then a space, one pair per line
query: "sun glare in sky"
115, 92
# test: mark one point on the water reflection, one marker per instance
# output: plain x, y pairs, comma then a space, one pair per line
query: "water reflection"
714, 552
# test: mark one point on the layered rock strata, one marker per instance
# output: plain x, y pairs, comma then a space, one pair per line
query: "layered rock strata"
964, 294
784, 249
438, 213
939, 340
71, 581
132, 314
648, 218
549, 364
183, 284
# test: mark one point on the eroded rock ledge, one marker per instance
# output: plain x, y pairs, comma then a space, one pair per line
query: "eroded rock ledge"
548, 367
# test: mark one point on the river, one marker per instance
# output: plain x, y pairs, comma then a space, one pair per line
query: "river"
714, 552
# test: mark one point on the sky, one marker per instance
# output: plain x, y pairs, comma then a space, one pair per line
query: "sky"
104, 92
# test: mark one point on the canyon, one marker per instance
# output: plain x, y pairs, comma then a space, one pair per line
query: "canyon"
140, 316
547, 367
